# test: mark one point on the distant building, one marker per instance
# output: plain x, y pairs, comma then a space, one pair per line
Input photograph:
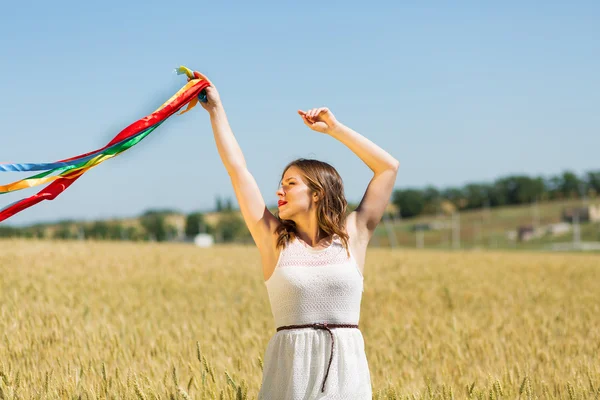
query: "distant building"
204, 240
586, 214
511, 235
525, 233
558, 229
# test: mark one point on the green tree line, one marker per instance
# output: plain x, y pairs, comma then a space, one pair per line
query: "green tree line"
411, 202
505, 191
153, 225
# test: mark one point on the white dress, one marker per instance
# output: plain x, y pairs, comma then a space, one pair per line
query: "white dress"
315, 286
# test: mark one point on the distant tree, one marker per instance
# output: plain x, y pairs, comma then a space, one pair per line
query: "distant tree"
171, 232
476, 195
219, 204
164, 212
155, 226
97, 230
529, 189
195, 223
27, 233
455, 196
37, 232
9, 231
229, 205
432, 200
231, 227
63, 231
496, 195
133, 233
116, 231
409, 201
520, 189
508, 186
593, 180
554, 187
431, 194
570, 185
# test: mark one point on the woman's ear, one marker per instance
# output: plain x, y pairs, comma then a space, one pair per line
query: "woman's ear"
316, 197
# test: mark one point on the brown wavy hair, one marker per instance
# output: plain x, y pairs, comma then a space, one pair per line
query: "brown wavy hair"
323, 179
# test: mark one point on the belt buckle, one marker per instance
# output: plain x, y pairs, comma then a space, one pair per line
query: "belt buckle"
320, 325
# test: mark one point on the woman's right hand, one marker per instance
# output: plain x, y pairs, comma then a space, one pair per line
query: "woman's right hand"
212, 95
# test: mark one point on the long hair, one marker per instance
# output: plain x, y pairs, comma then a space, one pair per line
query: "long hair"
323, 179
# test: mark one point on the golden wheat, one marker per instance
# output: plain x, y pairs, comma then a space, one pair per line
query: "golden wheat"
171, 321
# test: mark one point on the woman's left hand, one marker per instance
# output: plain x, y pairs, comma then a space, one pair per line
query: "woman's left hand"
319, 119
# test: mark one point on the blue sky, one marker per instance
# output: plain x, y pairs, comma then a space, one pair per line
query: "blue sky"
458, 92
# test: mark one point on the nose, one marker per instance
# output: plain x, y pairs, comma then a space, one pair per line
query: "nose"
280, 192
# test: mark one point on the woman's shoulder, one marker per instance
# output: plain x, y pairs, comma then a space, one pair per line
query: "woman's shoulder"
351, 228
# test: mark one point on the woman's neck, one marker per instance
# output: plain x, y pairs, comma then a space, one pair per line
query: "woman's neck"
309, 232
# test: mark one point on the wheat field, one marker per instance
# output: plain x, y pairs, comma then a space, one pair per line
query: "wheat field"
100, 320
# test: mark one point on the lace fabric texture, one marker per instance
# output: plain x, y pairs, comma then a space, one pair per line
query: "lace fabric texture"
315, 286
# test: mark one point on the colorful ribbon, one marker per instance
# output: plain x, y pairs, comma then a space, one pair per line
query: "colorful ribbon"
61, 174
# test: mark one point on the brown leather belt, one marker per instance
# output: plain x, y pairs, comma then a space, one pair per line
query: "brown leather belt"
326, 327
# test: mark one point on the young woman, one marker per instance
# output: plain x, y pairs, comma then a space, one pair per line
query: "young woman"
313, 257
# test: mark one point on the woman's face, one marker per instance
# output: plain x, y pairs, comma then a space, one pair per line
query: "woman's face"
294, 195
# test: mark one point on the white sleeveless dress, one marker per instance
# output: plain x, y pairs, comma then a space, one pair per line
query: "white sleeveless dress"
315, 286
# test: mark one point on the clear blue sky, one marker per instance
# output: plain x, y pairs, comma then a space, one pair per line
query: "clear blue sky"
457, 91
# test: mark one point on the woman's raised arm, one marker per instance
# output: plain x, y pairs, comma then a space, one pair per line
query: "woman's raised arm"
260, 221
385, 168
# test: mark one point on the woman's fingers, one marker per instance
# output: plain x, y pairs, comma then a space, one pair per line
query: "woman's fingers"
305, 114
306, 121
304, 117
312, 115
315, 114
319, 111
199, 75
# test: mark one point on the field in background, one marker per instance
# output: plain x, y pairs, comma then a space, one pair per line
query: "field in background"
172, 321
477, 229
488, 228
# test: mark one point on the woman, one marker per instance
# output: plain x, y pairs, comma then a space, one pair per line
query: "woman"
313, 258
